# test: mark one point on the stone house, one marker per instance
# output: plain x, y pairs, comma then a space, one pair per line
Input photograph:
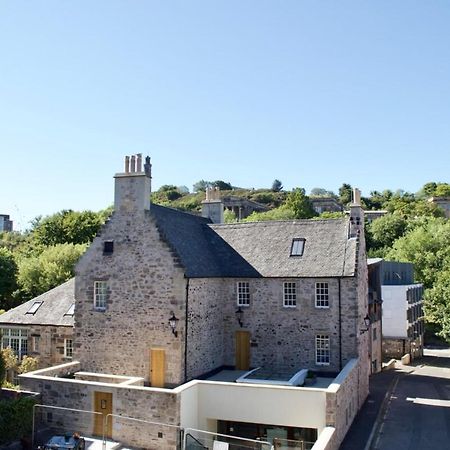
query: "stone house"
180, 310
42, 327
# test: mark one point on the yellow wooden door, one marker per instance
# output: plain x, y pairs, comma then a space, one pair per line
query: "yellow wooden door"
157, 367
242, 350
103, 405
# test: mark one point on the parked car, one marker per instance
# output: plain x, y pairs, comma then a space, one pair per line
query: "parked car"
66, 442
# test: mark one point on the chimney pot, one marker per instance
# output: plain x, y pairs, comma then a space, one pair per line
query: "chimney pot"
133, 164
127, 164
139, 162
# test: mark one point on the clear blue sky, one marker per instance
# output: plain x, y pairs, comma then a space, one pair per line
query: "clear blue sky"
314, 93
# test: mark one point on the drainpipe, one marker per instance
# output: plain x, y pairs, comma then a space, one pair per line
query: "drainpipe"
186, 330
340, 325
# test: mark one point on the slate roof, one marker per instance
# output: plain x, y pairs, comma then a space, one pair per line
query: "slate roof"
267, 246
201, 251
56, 303
259, 249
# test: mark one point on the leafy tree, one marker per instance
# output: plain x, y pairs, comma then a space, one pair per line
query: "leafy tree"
442, 190
67, 227
277, 186
2, 368
281, 213
222, 185
300, 204
53, 266
383, 232
345, 193
8, 275
321, 192
201, 186
229, 216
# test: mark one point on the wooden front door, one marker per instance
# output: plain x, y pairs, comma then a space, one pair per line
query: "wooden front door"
103, 405
242, 350
157, 367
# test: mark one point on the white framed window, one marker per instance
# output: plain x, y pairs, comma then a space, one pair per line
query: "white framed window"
36, 341
322, 295
289, 294
100, 295
68, 348
16, 339
243, 293
322, 349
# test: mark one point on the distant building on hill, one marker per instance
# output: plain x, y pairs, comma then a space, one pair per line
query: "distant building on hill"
5, 223
443, 203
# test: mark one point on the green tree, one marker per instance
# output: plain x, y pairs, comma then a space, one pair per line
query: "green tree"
345, 193
8, 278
300, 204
67, 226
277, 186
201, 186
2, 368
53, 266
321, 192
383, 232
442, 190
222, 185
281, 213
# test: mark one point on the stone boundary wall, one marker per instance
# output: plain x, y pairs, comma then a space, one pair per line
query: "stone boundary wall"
343, 400
149, 404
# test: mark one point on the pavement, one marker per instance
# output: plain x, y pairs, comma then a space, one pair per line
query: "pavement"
405, 407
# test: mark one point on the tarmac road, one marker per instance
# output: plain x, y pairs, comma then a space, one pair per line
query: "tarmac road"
417, 414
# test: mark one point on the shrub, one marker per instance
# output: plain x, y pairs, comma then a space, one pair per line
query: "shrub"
16, 418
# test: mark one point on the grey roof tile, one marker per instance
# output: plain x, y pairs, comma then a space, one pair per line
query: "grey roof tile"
56, 303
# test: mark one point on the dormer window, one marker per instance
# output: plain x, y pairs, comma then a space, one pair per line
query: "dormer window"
34, 307
298, 245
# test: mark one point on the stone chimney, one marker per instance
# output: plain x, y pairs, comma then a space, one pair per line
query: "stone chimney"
356, 215
133, 186
212, 206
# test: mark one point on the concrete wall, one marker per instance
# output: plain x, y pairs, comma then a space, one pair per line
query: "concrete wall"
145, 284
395, 322
278, 405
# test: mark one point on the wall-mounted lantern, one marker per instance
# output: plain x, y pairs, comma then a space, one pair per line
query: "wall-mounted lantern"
173, 322
366, 324
239, 315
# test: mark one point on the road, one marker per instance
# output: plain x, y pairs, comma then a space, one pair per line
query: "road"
417, 414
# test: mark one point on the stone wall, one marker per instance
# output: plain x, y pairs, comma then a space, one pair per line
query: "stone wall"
281, 338
145, 284
343, 399
159, 406
397, 347
49, 344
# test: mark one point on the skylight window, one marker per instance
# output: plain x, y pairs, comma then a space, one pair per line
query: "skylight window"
71, 310
298, 245
34, 307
